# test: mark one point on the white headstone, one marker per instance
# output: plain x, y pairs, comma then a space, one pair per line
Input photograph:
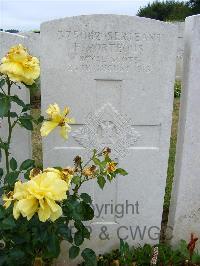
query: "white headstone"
32, 42
184, 211
117, 75
21, 142
180, 50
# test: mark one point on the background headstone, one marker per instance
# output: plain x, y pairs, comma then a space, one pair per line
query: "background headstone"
21, 142
32, 41
184, 210
180, 50
117, 74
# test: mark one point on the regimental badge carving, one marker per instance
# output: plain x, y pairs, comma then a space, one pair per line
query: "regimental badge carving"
107, 128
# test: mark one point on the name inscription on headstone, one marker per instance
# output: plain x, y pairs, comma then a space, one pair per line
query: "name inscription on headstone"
112, 51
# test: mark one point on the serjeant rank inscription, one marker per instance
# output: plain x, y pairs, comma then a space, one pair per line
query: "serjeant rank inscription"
114, 51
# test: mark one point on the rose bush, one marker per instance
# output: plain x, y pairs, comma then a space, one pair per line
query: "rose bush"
39, 205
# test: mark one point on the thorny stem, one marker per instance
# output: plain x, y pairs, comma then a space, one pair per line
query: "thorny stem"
81, 172
78, 186
3, 91
97, 155
10, 128
9, 131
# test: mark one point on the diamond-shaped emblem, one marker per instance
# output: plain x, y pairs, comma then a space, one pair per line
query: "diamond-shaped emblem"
107, 128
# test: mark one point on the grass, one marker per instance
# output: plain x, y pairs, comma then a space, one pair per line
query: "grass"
37, 149
172, 153
170, 171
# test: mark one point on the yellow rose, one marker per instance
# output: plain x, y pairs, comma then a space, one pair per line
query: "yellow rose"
20, 195
40, 195
48, 188
20, 191
27, 207
56, 118
111, 167
65, 174
53, 170
19, 66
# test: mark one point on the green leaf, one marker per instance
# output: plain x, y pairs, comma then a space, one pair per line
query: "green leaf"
13, 164
12, 177
16, 254
58, 168
101, 181
3, 259
99, 163
26, 108
1, 191
80, 226
26, 122
107, 159
18, 101
79, 211
39, 120
53, 246
1, 172
8, 223
65, 233
27, 174
27, 164
121, 171
73, 252
86, 198
4, 146
21, 238
96, 161
4, 106
94, 152
86, 211
76, 180
110, 176
13, 114
2, 82
2, 212
78, 238
89, 256
86, 233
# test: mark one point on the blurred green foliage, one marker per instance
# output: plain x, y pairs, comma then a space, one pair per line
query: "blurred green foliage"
170, 10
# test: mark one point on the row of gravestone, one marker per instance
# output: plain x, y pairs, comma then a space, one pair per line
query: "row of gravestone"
117, 75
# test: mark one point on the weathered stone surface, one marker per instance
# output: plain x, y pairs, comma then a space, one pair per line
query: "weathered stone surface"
180, 50
128, 64
21, 143
32, 41
184, 211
